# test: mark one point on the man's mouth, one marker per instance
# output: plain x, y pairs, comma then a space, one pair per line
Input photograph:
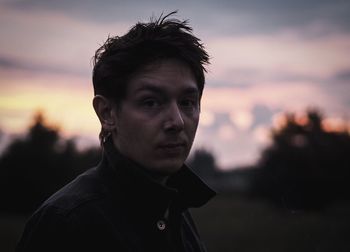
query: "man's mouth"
173, 147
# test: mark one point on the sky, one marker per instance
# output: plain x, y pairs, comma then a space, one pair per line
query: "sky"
267, 58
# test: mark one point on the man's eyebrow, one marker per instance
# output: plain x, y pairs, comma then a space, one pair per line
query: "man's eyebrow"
191, 90
149, 87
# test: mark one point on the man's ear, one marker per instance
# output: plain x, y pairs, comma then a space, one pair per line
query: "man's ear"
105, 111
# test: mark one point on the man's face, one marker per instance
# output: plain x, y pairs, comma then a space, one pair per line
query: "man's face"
157, 121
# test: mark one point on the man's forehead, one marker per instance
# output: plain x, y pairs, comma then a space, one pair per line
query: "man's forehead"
159, 87
168, 75
174, 67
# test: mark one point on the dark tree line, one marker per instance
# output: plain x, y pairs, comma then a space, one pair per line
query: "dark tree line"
203, 163
35, 166
306, 167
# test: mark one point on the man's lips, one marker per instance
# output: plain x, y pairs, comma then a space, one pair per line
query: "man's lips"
173, 145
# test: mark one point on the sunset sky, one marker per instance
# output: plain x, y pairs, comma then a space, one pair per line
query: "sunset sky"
267, 57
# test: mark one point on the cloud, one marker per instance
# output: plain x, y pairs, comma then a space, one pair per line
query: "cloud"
102, 12
12, 64
275, 97
222, 16
50, 33
262, 115
230, 147
342, 76
266, 57
242, 119
50, 42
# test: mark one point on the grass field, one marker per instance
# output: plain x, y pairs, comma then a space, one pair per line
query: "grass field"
232, 223
11, 227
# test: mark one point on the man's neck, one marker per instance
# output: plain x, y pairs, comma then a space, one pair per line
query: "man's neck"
158, 177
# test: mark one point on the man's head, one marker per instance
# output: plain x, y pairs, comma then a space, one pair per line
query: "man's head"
148, 84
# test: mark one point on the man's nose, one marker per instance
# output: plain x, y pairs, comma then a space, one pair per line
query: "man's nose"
174, 119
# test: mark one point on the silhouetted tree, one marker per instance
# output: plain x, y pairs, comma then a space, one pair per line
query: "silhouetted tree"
35, 166
203, 163
306, 167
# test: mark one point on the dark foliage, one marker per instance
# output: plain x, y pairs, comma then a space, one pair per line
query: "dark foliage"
203, 163
37, 165
306, 167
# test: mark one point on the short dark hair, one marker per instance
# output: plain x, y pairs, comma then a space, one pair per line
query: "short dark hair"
164, 38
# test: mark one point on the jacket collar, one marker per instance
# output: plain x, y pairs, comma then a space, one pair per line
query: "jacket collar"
184, 187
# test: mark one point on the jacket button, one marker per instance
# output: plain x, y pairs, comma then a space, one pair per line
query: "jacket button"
161, 225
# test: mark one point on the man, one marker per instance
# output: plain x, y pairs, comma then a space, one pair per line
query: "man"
148, 86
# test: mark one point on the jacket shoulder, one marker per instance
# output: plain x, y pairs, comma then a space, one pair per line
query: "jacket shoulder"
75, 215
85, 188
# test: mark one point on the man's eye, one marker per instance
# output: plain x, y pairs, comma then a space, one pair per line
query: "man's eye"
151, 103
188, 103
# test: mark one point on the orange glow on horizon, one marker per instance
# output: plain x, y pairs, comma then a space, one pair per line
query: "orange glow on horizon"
67, 106
335, 125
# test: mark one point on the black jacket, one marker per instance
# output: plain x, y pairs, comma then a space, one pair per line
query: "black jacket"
117, 207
